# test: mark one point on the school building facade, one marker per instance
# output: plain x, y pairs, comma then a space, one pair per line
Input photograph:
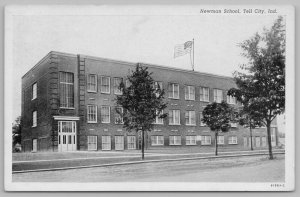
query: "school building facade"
68, 104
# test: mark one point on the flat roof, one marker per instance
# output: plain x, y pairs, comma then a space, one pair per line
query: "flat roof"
129, 63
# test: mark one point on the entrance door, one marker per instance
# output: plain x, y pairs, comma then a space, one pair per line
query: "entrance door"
66, 136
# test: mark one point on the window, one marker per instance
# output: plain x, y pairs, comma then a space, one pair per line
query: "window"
201, 123
175, 140
206, 140
105, 114
66, 89
131, 144
231, 100
174, 117
159, 120
92, 83
189, 93
157, 140
92, 142
233, 124
157, 85
220, 139
257, 141
119, 142
106, 142
204, 94
105, 85
117, 89
34, 119
190, 118
173, 90
127, 83
218, 95
118, 117
263, 141
34, 91
190, 140
232, 140
92, 113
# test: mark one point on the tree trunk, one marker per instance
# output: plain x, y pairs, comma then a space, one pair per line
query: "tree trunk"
251, 143
143, 144
269, 140
216, 142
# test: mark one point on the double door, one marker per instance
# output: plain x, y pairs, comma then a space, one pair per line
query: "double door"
67, 136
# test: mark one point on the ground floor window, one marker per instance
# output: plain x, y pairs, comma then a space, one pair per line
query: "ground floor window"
263, 141
131, 142
106, 142
206, 140
92, 142
220, 139
175, 140
190, 140
232, 140
119, 142
157, 140
257, 141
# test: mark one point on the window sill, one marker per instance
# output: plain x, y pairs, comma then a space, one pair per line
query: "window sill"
118, 93
157, 145
175, 124
174, 98
92, 122
190, 99
67, 108
90, 91
158, 123
205, 144
191, 144
33, 126
174, 144
232, 143
105, 92
33, 99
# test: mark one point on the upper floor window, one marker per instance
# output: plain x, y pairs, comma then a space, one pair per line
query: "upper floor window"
66, 89
92, 113
173, 90
189, 93
201, 122
105, 114
220, 139
218, 95
105, 84
190, 118
34, 91
159, 120
158, 85
118, 116
204, 94
117, 82
92, 83
127, 83
231, 99
174, 117
34, 119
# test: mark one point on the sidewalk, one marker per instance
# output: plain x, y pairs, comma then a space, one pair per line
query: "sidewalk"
87, 162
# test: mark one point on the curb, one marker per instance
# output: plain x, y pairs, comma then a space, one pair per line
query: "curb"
147, 161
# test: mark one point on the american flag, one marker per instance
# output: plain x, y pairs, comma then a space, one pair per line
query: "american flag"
182, 49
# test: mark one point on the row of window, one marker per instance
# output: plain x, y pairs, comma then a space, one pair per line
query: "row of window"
66, 89
155, 141
174, 116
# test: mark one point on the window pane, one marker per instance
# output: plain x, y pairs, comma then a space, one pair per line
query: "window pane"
34, 90
117, 82
105, 114
92, 113
105, 84
118, 117
66, 89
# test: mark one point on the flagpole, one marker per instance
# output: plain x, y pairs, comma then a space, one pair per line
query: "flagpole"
193, 55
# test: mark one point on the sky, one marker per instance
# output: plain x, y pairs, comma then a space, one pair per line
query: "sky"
134, 38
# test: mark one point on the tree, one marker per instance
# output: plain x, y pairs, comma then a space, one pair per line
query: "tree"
16, 131
141, 101
262, 84
217, 116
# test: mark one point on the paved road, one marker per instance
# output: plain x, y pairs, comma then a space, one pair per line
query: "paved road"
242, 169
103, 159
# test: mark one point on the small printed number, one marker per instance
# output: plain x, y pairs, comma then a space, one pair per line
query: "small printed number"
277, 185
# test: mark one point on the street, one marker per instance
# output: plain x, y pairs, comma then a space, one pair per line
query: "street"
238, 169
